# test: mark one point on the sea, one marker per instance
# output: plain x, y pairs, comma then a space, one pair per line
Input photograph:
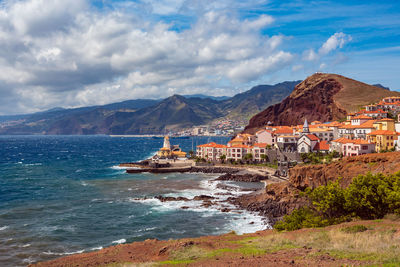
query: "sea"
61, 195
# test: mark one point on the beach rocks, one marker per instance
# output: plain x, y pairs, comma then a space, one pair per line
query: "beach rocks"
165, 199
203, 197
212, 169
242, 178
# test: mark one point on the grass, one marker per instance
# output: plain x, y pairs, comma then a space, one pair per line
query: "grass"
377, 246
354, 229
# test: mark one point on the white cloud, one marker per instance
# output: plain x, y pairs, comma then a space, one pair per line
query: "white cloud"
334, 42
63, 53
338, 40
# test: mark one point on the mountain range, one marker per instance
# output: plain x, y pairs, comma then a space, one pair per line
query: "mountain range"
323, 97
147, 116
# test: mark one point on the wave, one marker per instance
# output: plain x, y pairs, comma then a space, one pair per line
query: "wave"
96, 248
33, 164
120, 241
63, 253
4, 228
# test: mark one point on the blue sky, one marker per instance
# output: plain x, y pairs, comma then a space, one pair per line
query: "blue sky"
81, 52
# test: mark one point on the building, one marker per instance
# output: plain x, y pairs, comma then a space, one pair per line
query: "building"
352, 147
307, 143
169, 152
383, 139
237, 152
259, 149
211, 151
266, 136
243, 139
287, 142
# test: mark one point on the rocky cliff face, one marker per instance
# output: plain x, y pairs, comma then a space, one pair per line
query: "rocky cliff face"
322, 97
282, 198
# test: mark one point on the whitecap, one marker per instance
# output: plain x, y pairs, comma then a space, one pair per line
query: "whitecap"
4, 228
33, 164
96, 248
120, 241
25, 246
63, 253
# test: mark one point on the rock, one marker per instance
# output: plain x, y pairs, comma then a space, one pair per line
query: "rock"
203, 197
162, 251
242, 178
165, 199
184, 207
225, 210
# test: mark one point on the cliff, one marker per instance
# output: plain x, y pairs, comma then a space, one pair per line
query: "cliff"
282, 198
322, 97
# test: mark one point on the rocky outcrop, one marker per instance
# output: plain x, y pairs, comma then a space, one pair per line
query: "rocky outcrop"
282, 198
242, 178
322, 97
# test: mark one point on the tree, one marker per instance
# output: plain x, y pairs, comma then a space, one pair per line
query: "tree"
264, 157
191, 154
222, 158
248, 157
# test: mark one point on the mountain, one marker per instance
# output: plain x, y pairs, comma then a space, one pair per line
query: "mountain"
146, 116
258, 98
218, 98
322, 97
381, 86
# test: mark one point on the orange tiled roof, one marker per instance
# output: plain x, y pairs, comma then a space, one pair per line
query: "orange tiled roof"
312, 137
283, 130
362, 117
383, 132
212, 144
323, 145
386, 119
240, 146
261, 145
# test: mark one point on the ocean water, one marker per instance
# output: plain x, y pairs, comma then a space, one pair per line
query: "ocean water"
61, 195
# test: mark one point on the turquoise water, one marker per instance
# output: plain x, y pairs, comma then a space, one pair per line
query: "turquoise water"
65, 194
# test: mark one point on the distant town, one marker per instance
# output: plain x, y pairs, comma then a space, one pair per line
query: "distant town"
222, 127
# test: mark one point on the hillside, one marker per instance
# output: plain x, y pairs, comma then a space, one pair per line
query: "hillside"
372, 243
282, 198
146, 116
322, 97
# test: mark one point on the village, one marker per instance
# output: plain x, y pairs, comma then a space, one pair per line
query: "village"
371, 130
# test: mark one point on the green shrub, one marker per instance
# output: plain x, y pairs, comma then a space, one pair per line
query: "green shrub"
300, 218
367, 197
354, 229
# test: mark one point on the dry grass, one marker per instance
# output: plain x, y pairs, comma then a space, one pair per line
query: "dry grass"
379, 244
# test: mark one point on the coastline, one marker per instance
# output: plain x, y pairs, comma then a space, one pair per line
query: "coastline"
218, 199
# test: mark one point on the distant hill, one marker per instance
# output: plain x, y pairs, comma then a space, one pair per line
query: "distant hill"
322, 97
246, 104
147, 116
381, 86
218, 98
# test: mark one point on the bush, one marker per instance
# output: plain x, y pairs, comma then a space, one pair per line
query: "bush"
300, 218
367, 197
354, 229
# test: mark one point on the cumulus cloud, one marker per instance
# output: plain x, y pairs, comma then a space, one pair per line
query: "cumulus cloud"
336, 41
67, 53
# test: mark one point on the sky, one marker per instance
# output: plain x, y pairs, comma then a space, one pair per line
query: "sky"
73, 53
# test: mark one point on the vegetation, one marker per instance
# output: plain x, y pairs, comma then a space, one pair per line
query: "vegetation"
367, 197
369, 243
318, 158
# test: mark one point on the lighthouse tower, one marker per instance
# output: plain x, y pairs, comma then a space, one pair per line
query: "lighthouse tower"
166, 142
